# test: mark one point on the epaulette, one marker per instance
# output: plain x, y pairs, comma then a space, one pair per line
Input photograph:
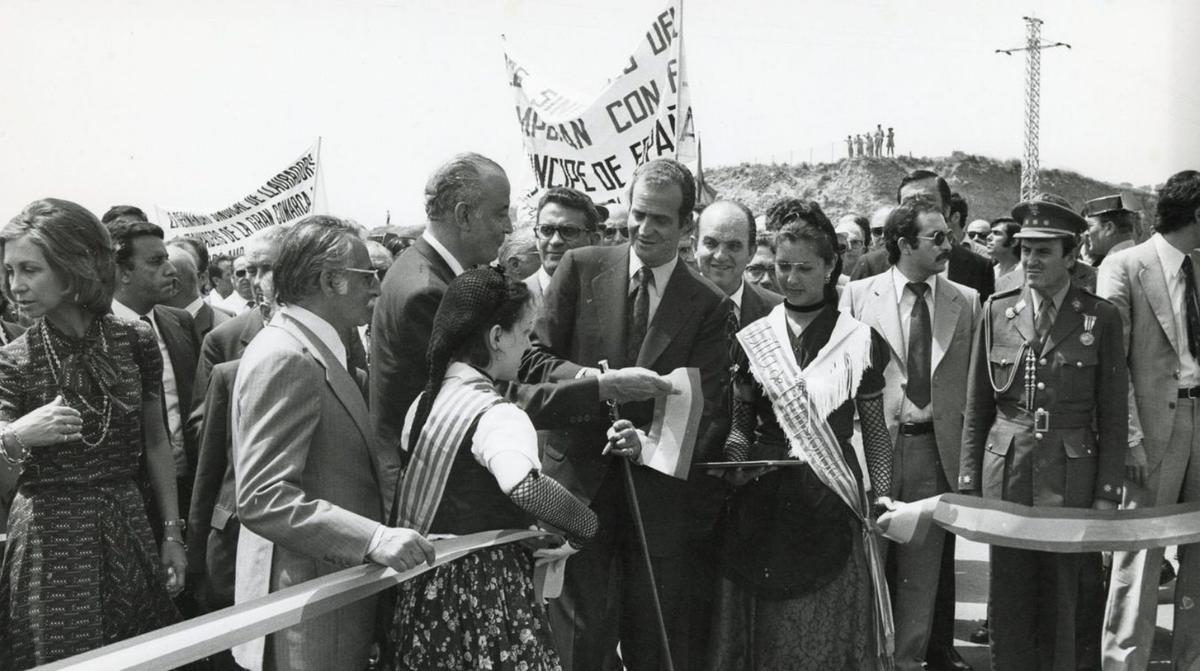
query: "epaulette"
1091, 294
1006, 294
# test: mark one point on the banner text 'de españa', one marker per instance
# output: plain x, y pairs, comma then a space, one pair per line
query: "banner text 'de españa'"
644, 113
285, 198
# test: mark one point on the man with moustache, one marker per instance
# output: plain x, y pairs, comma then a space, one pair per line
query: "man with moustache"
965, 267
566, 220
1045, 425
635, 304
927, 321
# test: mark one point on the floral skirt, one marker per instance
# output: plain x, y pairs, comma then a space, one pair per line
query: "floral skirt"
832, 628
478, 612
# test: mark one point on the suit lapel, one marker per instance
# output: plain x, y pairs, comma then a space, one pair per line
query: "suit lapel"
669, 316
1066, 321
946, 306
883, 311
1024, 320
436, 263
204, 319
1154, 287
169, 328
610, 287
344, 387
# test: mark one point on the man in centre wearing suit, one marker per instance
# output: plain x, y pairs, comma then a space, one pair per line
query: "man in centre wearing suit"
634, 304
566, 219
726, 238
927, 321
308, 494
1153, 285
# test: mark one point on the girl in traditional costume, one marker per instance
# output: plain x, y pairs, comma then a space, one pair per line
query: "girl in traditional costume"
473, 466
802, 583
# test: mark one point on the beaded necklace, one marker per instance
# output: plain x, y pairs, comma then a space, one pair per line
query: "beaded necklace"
105, 411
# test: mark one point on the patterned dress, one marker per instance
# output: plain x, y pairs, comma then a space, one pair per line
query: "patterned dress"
802, 598
81, 569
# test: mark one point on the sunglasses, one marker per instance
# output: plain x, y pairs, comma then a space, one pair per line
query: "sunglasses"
979, 235
757, 273
614, 232
241, 272
938, 239
567, 233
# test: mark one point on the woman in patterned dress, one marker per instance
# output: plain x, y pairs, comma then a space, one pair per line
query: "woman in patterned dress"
796, 591
473, 466
79, 405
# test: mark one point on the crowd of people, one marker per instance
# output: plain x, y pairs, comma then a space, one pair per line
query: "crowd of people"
182, 432
872, 145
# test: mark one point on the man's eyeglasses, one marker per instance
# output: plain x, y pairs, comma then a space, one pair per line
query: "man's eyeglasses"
567, 233
877, 232
240, 272
980, 236
614, 232
369, 272
757, 273
938, 239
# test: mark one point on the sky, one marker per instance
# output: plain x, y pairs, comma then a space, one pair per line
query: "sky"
192, 105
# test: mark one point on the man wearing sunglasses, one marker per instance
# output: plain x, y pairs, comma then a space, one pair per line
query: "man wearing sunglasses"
566, 220
616, 226
976, 237
928, 321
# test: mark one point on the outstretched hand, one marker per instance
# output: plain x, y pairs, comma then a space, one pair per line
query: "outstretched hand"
625, 385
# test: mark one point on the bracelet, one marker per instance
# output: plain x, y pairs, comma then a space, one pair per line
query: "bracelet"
20, 458
176, 540
180, 524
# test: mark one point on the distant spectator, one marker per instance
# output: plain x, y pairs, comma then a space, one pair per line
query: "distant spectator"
123, 213
854, 241
878, 139
1110, 227
220, 278
761, 269
518, 254
187, 296
878, 218
616, 227
850, 146
858, 144
976, 235
891, 142
957, 218
1003, 248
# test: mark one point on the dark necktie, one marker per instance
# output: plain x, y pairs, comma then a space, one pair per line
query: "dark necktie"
1044, 320
920, 345
639, 314
1192, 308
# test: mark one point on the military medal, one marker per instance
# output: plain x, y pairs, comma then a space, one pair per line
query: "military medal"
1012, 310
1087, 339
1077, 305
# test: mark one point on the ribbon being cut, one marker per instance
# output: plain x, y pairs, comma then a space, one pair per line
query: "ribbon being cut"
1044, 529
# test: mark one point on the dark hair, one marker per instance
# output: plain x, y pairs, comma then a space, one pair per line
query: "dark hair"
1011, 228
765, 239
1178, 201
215, 272
797, 221
1122, 220
316, 243
751, 227
902, 224
76, 245
572, 200
864, 224
123, 211
456, 181
665, 172
474, 302
958, 205
921, 175
125, 232
197, 248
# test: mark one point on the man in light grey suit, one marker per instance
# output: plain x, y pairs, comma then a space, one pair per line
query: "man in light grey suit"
566, 219
305, 462
1153, 285
928, 323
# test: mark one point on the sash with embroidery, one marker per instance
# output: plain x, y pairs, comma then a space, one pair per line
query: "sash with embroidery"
458, 404
802, 401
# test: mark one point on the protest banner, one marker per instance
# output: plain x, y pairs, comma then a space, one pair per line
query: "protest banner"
643, 113
285, 198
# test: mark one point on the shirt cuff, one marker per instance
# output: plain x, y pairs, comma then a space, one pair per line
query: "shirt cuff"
376, 539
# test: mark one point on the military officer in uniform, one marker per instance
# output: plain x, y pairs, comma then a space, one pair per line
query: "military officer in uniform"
1045, 425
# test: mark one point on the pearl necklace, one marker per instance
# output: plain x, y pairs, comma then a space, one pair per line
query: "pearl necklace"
105, 412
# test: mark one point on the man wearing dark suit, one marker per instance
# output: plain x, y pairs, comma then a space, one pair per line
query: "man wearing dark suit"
634, 305
972, 270
725, 240
466, 201
187, 290
145, 282
964, 267
566, 219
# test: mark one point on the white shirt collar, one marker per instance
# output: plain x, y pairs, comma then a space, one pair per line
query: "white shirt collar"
736, 296
1171, 258
321, 328
661, 273
901, 283
438, 247
125, 312
193, 308
543, 278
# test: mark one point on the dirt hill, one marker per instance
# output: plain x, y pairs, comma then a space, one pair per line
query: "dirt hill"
860, 185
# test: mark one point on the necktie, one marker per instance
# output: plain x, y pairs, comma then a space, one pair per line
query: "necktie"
920, 345
1192, 308
1044, 320
639, 315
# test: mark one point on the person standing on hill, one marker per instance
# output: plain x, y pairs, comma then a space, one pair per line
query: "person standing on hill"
879, 139
891, 142
850, 145
858, 143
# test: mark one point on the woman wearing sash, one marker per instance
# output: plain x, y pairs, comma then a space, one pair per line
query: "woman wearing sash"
473, 466
801, 575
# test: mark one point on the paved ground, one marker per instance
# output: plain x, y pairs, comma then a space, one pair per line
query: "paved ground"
972, 573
